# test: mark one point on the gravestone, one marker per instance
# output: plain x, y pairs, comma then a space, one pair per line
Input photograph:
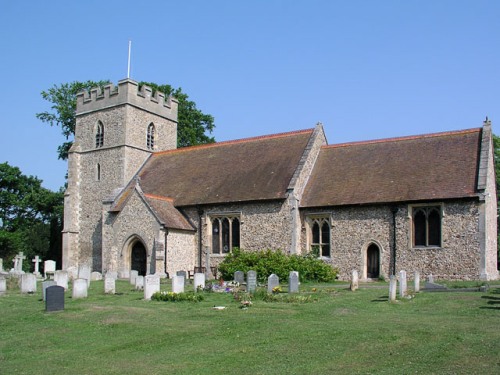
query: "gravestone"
28, 283
392, 288
402, 284
181, 273
430, 279
151, 286
354, 281
124, 273
139, 283
84, 273
178, 284
3, 285
37, 262
80, 287
45, 285
112, 274
54, 298
61, 279
272, 282
251, 281
1, 265
49, 268
199, 281
19, 264
239, 277
417, 281
109, 284
72, 273
293, 282
96, 276
133, 276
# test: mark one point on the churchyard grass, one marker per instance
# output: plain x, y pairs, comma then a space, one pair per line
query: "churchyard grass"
339, 332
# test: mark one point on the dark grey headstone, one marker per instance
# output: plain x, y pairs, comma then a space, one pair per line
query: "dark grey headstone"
54, 298
239, 277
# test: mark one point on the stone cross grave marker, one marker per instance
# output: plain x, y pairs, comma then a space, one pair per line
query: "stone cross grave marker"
239, 277
293, 282
49, 268
178, 284
37, 262
18, 262
45, 285
109, 284
3, 285
402, 284
272, 282
251, 281
54, 298
354, 281
80, 287
417, 281
393, 283
61, 279
139, 283
28, 283
151, 286
199, 281
133, 276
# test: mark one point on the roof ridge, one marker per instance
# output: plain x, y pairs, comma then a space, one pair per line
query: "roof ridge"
404, 138
236, 141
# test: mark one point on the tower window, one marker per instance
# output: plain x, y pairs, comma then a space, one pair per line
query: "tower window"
150, 141
99, 135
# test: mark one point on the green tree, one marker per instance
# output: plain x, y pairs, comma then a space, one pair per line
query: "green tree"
193, 125
29, 216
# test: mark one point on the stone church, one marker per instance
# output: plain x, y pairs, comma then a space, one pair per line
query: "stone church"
135, 201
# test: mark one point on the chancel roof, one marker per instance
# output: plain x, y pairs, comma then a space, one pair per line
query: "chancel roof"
428, 167
245, 170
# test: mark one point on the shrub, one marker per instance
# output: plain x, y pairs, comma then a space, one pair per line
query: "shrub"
176, 297
266, 262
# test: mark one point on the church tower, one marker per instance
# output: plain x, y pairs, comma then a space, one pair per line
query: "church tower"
117, 128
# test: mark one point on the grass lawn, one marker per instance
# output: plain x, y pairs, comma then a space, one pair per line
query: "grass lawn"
340, 332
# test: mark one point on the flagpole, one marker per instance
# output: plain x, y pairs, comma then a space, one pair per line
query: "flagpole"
129, 48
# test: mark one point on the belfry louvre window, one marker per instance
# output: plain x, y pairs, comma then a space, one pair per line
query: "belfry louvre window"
99, 135
150, 141
426, 226
320, 236
225, 234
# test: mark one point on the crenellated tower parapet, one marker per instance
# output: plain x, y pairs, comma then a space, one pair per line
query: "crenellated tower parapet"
127, 92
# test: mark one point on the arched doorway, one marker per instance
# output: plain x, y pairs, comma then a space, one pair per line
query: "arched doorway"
138, 258
373, 262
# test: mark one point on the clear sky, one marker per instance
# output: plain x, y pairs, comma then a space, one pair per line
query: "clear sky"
365, 69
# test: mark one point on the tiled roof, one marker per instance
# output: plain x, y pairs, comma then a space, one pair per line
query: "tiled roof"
434, 166
237, 171
167, 213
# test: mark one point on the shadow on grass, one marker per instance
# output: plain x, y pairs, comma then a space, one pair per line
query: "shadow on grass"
381, 299
492, 300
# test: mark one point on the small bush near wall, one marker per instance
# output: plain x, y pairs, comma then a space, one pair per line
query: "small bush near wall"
267, 262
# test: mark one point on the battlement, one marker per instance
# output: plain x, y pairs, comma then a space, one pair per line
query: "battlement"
127, 92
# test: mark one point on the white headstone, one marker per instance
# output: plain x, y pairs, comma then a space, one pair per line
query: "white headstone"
112, 274
28, 283
45, 285
80, 287
139, 283
84, 273
61, 279
251, 281
199, 281
393, 284
402, 284
272, 282
417, 281
95, 276
49, 268
293, 282
354, 280
109, 284
72, 273
37, 262
3, 285
151, 286
124, 273
178, 284
133, 275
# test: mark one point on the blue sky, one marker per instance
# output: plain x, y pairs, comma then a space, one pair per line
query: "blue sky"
365, 69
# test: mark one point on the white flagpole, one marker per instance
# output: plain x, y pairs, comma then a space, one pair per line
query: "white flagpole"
129, 48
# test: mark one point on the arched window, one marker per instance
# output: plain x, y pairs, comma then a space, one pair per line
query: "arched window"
320, 236
426, 226
99, 135
150, 141
225, 234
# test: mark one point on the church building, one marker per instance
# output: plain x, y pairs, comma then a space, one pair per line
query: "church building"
424, 203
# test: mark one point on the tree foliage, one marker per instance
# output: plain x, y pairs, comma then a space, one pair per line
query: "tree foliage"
193, 125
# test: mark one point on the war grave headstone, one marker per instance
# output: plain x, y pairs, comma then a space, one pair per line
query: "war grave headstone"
109, 284
354, 281
132, 276
84, 273
239, 277
49, 268
273, 281
61, 278
28, 283
45, 285
293, 282
139, 283
199, 281
402, 284
151, 286
178, 284
54, 300
37, 262
80, 287
251, 281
